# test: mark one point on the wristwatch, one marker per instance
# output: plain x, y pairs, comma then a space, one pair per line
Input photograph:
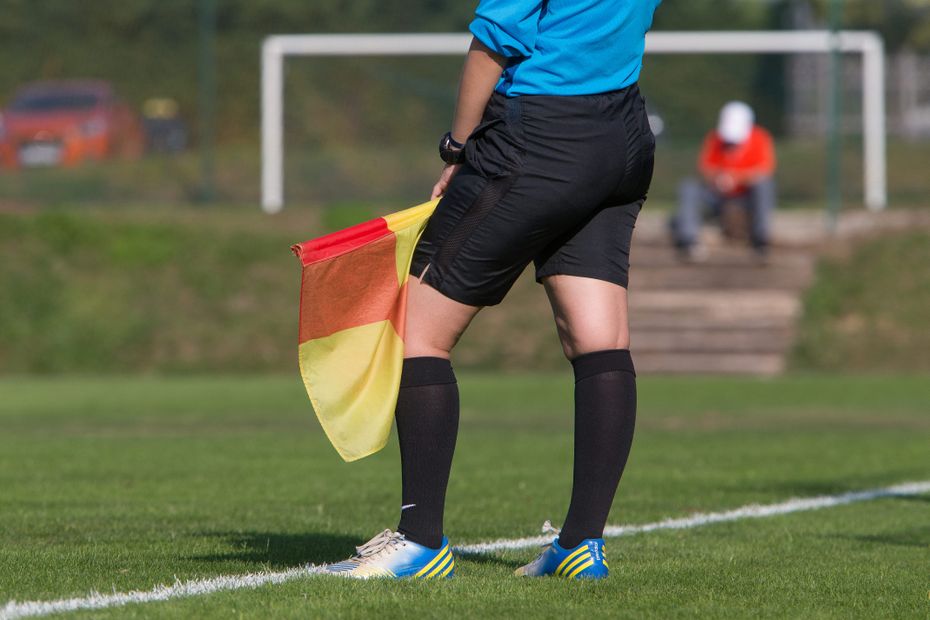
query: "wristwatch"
450, 151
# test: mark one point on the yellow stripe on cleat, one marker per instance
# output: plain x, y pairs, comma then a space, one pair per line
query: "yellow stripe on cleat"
580, 568
570, 558
432, 562
440, 566
448, 570
578, 560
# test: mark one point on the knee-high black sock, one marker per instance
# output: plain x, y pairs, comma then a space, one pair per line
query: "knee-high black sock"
427, 418
605, 413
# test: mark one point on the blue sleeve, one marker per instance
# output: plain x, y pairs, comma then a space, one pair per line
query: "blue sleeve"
650, 15
507, 27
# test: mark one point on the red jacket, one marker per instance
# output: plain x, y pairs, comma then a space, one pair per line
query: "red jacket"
746, 162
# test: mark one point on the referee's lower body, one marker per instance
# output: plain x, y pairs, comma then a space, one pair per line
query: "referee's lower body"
559, 181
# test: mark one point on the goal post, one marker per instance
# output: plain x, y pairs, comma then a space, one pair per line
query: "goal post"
277, 48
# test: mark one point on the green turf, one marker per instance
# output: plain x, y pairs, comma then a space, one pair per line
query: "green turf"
127, 483
868, 308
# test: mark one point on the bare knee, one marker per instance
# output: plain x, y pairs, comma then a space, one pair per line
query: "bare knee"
434, 322
428, 345
579, 340
590, 314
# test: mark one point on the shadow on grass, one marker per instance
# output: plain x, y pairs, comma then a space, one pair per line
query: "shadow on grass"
289, 550
917, 537
277, 550
834, 486
487, 558
914, 498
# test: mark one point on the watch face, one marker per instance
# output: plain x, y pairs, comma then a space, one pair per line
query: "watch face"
448, 153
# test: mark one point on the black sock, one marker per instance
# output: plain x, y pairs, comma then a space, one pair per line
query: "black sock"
605, 413
427, 418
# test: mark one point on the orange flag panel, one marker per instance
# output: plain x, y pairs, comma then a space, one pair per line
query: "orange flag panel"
352, 311
340, 293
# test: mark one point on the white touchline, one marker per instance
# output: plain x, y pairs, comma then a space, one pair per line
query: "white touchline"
752, 511
13, 609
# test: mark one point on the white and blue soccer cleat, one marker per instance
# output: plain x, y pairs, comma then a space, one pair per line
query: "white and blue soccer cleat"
391, 555
586, 561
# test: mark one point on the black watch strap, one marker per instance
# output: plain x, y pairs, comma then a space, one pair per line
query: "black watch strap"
450, 151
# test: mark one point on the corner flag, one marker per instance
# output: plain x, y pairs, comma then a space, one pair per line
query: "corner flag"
353, 299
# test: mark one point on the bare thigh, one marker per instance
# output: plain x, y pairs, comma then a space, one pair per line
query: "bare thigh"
434, 322
590, 314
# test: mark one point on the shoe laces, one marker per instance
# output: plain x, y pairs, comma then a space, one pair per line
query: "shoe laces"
549, 530
386, 541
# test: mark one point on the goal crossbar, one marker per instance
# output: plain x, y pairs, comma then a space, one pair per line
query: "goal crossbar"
276, 48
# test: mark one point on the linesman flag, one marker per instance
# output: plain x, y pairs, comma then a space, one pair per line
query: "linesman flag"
353, 299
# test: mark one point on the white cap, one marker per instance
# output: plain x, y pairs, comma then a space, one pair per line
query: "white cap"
736, 121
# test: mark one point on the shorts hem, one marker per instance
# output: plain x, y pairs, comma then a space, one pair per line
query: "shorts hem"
417, 267
433, 279
582, 272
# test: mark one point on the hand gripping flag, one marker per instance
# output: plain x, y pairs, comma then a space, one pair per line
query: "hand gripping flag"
353, 299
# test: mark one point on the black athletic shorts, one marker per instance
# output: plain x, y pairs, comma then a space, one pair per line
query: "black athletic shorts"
554, 180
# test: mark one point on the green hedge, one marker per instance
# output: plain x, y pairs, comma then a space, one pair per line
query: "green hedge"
217, 291
85, 294
869, 308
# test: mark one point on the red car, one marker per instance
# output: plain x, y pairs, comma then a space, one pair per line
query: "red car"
63, 123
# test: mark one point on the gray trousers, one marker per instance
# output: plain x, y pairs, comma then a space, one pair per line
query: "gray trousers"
696, 200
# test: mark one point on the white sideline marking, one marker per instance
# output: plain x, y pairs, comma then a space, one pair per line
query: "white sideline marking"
14, 610
752, 511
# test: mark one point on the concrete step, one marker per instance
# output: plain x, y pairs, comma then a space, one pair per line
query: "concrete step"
699, 304
728, 315
684, 277
700, 340
789, 228
801, 228
756, 364
729, 255
658, 320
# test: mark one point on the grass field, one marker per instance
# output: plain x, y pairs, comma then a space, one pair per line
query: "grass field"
121, 484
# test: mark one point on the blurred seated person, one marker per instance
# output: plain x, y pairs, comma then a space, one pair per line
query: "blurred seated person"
737, 164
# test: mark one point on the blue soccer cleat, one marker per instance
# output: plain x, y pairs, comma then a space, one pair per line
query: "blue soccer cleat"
586, 561
391, 555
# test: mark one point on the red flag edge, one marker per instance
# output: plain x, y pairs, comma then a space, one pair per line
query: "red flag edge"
342, 241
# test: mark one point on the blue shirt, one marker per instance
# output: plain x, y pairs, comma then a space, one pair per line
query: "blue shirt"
565, 47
